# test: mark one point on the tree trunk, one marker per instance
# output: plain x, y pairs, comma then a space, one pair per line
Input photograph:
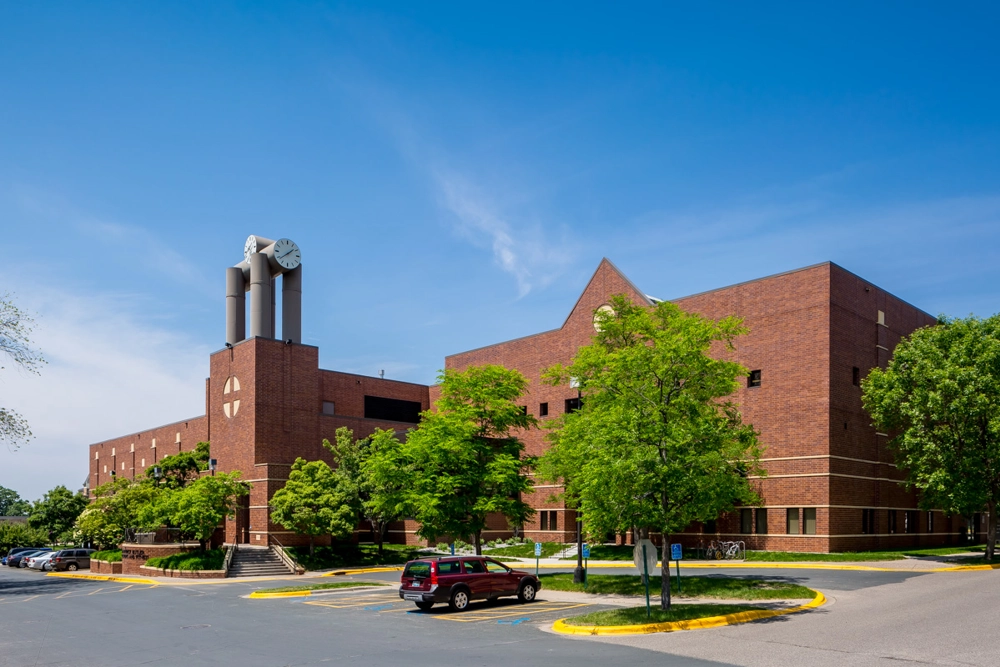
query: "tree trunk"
991, 529
380, 536
477, 539
312, 542
665, 573
201, 544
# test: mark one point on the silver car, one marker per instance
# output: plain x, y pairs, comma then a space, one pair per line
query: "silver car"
41, 560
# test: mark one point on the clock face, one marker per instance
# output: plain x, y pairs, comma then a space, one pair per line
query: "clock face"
287, 254
250, 247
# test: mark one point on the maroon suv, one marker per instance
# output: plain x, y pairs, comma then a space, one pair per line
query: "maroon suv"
459, 579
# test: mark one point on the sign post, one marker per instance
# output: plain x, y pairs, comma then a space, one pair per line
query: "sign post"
677, 553
586, 557
538, 554
644, 557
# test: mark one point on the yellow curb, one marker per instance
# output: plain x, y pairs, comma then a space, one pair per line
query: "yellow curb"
339, 573
104, 577
562, 627
257, 595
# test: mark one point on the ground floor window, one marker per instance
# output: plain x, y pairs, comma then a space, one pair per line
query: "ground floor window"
746, 521
710, 526
792, 521
930, 522
809, 520
910, 519
762, 521
868, 521
549, 520
892, 521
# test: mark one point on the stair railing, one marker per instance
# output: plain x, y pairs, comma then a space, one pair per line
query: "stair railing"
283, 554
230, 554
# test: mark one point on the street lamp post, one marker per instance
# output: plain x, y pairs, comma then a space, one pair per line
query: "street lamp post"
579, 576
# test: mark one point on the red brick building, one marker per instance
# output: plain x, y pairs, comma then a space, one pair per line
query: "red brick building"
814, 333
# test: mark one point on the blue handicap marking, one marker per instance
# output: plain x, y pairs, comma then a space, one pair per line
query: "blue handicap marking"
586, 551
378, 607
538, 548
516, 621
676, 552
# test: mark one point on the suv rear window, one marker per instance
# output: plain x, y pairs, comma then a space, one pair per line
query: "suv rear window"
418, 568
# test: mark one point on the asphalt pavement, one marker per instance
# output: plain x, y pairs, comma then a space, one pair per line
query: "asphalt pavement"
872, 618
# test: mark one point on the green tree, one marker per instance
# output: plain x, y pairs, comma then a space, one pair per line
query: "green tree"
176, 470
57, 512
374, 467
464, 460
656, 444
198, 508
15, 344
11, 503
940, 396
315, 501
120, 509
19, 535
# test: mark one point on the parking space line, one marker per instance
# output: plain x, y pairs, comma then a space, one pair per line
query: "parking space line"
94, 592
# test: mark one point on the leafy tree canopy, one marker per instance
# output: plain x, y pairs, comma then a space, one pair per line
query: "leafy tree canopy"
656, 444
176, 470
11, 503
940, 396
315, 501
15, 346
198, 508
464, 459
19, 535
57, 511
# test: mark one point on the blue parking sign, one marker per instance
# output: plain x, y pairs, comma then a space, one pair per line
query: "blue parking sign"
586, 551
538, 549
676, 552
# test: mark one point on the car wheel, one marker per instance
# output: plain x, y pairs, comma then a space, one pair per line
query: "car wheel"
459, 600
424, 605
527, 592
71, 567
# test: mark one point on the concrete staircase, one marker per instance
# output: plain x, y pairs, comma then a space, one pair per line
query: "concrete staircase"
254, 561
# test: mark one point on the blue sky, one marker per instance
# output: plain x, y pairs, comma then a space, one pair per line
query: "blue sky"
454, 174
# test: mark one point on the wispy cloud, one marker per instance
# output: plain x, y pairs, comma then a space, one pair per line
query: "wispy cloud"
109, 373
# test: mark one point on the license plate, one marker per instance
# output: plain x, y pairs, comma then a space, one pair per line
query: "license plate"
413, 596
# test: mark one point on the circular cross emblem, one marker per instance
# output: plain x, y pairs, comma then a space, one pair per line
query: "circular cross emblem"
232, 386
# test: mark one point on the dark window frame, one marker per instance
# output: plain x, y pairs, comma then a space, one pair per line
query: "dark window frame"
856, 376
746, 521
573, 404
760, 521
754, 378
543, 409
392, 409
790, 514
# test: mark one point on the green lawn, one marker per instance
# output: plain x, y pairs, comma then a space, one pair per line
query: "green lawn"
111, 555
723, 588
353, 555
624, 553
608, 552
678, 612
319, 587
211, 559
549, 549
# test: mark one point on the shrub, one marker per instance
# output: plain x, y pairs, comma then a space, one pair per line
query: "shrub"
111, 555
212, 559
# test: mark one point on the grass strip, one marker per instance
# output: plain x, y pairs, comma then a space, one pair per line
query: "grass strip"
637, 615
320, 587
624, 553
720, 587
549, 549
354, 555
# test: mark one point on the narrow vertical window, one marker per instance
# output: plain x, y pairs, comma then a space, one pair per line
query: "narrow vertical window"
809, 520
544, 520
746, 521
553, 522
524, 409
761, 521
856, 376
930, 522
792, 521
543, 409
891, 521
753, 380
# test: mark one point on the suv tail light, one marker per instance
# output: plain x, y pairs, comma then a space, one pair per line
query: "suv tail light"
59, 559
434, 574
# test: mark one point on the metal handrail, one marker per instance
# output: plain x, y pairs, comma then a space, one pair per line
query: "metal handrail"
230, 554
284, 555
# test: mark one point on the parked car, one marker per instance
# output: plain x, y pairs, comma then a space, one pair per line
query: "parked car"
38, 561
18, 560
458, 580
13, 555
71, 559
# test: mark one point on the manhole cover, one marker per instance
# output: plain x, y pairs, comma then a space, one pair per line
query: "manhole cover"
195, 627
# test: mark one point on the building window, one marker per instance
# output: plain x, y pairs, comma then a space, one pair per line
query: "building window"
856, 376
553, 522
753, 380
392, 409
573, 404
881, 318
809, 521
792, 521
910, 519
543, 522
892, 521
761, 521
524, 409
144, 463
329, 408
868, 521
746, 521
543, 409
549, 520
709, 526
930, 522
